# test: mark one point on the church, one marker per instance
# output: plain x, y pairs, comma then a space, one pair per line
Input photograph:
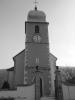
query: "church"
35, 64
36, 55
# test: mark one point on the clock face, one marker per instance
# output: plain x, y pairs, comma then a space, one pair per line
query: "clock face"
36, 38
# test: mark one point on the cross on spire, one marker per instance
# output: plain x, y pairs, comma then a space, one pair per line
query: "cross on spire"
35, 4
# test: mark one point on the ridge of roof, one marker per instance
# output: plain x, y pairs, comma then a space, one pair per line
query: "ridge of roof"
18, 53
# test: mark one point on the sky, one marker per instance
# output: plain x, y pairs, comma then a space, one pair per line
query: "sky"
61, 17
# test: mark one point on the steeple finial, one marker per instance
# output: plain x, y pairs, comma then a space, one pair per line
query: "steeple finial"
35, 4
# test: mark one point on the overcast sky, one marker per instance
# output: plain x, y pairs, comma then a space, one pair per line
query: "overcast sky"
61, 17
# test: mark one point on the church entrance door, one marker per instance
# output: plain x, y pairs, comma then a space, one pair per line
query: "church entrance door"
40, 87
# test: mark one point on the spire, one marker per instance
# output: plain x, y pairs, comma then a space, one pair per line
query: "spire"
35, 4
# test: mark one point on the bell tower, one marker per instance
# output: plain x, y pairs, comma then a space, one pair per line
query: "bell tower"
37, 51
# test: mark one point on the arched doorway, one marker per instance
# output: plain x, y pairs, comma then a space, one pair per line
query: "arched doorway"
41, 92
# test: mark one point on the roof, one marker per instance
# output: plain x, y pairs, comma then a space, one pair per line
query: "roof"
36, 16
19, 53
10, 69
52, 56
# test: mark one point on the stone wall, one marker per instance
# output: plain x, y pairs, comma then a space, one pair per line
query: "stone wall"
68, 92
21, 93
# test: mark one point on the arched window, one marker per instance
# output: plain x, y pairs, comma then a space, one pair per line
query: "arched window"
36, 29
